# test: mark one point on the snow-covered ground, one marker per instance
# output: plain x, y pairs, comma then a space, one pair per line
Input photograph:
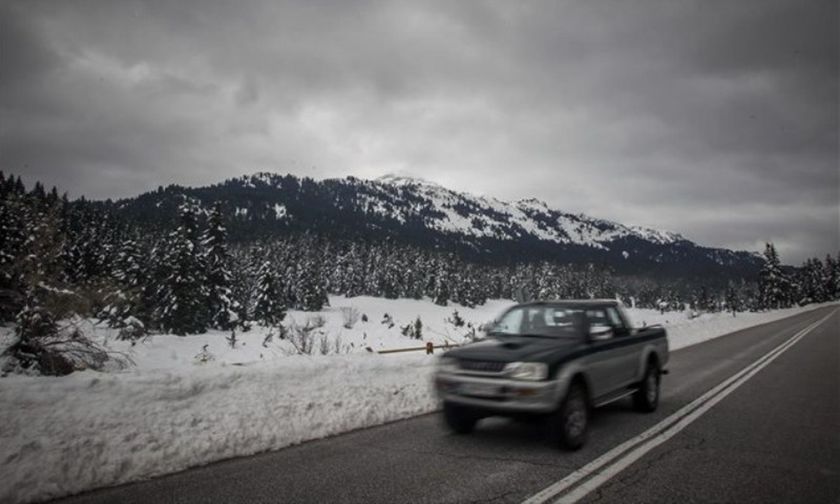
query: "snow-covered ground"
171, 410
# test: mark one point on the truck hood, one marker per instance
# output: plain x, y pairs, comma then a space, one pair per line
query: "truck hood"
517, 349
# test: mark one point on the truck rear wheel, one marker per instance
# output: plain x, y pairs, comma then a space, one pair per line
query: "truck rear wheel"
570, 424
646, 397
458, 418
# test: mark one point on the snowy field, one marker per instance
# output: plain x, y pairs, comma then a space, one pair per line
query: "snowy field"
174, 409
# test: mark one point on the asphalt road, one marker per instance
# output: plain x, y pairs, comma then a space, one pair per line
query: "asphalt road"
774, 439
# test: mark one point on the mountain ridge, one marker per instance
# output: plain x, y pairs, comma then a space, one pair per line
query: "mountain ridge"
424, 213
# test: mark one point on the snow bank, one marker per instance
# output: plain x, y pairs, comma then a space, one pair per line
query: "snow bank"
684, 331
66, 435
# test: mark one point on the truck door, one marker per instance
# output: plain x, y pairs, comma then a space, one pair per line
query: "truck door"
606, 363
627, 359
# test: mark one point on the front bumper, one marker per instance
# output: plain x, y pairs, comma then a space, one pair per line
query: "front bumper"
499, 395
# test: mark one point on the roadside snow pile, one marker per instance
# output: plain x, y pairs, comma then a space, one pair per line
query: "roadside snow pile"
197, 399
86, 430
684, 331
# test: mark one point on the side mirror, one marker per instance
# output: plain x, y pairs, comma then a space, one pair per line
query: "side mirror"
600, 333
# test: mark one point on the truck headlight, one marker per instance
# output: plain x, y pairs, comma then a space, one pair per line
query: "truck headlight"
447, 365
532, 371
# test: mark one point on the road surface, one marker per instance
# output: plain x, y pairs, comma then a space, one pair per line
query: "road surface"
768, 434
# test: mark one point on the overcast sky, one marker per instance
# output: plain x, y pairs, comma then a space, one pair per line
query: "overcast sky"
714, 119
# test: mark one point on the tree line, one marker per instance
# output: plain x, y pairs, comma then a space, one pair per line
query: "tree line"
59, 258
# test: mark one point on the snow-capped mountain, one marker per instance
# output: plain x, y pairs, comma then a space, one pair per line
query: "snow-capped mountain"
423, 213
478, 216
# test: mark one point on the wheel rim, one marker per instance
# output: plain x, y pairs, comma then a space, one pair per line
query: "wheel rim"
576, 417
652, 390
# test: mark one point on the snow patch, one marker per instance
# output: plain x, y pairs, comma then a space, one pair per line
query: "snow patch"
172, 412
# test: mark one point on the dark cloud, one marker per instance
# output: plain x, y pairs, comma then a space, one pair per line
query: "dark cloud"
715, 119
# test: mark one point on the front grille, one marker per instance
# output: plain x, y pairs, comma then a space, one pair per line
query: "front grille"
482, 366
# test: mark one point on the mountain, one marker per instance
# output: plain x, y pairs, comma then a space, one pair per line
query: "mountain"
414, 211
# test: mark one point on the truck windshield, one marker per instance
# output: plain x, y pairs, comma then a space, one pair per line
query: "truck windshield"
540, 320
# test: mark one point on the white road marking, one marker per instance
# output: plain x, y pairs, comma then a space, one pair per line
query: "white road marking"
631, 450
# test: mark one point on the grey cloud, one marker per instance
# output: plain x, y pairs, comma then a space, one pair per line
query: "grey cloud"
715, 119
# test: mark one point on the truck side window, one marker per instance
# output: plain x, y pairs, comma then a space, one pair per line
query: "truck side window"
597, 318
616, 322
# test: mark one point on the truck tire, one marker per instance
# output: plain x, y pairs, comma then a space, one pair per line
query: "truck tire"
646, 397
570, 424
458, 418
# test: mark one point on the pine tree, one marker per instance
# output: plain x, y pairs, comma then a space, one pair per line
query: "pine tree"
733, 302
129, 274
14, 215
223, 308
39, 262
834, 277
417, 329
388, 276
337, 283
36, 277
153, 285
185, 296
443, 278
829, 278
245, 266
837, 277
811, 282
773, 284
310, 293
354, 276
269, 308
547, 282
413, 278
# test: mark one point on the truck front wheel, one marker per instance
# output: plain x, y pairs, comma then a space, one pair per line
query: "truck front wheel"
570, 424
458, 418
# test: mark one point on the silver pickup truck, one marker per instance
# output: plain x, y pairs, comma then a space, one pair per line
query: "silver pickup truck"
556, 359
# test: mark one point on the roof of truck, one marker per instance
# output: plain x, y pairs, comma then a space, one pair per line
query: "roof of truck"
576, 302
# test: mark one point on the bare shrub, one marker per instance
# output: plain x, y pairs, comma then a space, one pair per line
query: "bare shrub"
350, 316
132, 329
57, 349
413, 330
471, 335
340, 348
268, 338
324, 345
456, 319
302, 338
83, 352
204, 356
316, 321
279, 330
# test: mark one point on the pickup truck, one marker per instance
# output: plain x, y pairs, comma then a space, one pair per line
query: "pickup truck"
553, 359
